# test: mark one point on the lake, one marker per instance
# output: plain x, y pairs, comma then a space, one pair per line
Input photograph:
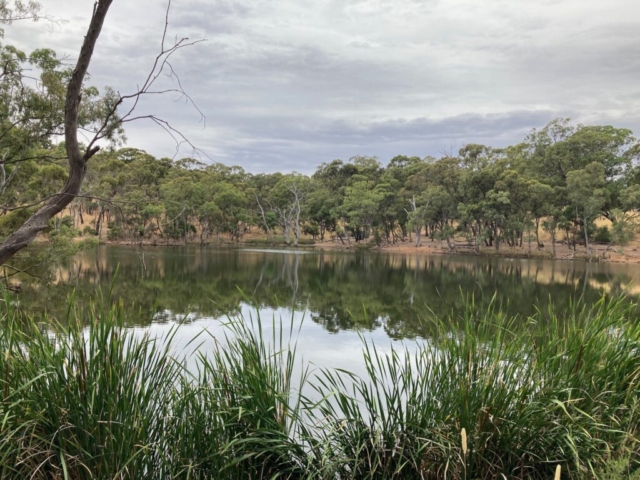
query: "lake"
389, 294
334, 300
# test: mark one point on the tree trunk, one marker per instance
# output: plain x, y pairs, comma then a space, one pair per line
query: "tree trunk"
38, 222
418, 233
449, 244
99, 222
264, 221
184, 224
203, 234
297, 239
287, 234
586, 238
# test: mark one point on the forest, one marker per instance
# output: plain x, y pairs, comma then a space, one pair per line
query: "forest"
560, 179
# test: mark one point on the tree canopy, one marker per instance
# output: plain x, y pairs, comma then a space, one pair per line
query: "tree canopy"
559, 182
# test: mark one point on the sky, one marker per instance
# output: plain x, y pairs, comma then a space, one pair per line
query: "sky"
285, 85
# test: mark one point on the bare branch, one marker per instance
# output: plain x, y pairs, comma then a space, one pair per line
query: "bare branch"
160, 63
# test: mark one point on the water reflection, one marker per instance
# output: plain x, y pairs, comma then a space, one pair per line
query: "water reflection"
341, 291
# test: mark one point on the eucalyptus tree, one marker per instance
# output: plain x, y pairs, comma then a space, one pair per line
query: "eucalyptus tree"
261, 187
55, 116
416, 182
439, 209
286, 199
540, 200
396, 175
181, 193
360, 207
57, 104
321, 207
587, 191
233, 204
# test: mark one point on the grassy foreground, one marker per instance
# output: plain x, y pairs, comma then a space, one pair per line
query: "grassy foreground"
496, 397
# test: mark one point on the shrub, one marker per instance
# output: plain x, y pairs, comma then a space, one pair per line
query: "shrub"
602, 235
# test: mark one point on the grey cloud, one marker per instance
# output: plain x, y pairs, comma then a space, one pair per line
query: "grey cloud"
271, 143
289, 84
214, 17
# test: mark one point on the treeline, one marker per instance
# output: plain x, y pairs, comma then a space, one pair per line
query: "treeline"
560, 179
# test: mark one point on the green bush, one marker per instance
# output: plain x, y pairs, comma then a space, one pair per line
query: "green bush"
115, 231
13, 220
66, 221
65, 231
602, 235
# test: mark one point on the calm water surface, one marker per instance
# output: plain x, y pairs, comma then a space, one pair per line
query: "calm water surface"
340, 292
336, 297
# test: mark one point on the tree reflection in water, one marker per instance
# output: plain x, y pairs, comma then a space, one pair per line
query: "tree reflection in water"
341, 291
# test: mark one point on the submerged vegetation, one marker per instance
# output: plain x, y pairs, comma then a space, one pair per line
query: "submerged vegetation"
487, 395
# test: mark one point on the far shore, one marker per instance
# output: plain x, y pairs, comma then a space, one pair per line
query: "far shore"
599, 253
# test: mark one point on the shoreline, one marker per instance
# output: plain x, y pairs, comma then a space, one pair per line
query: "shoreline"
626, 255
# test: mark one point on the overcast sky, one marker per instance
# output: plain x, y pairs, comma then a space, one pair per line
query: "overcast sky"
288, 84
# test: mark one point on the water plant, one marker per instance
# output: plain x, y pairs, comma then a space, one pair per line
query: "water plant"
487, 395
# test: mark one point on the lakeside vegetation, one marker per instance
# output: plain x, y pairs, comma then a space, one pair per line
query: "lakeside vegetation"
558, 182
485, 393
494, 395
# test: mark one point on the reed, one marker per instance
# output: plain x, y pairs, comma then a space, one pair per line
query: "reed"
485, 396
81, 403
528, 395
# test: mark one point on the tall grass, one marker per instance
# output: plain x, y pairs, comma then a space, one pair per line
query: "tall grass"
486, 396
82, 404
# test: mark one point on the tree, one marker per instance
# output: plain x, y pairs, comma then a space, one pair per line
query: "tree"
320, 207
540, 204
587, 192
53, 115
77, 158
286, 198
232, 203
360, 207
439, 209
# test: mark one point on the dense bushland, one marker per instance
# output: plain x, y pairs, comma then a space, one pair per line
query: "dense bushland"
486, 396
552, 187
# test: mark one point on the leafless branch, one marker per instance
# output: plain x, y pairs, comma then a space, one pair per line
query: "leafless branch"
160, 64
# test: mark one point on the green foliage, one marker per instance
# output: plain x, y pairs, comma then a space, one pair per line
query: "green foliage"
88, 230
486, 396
81, 407
115, 231
561, 179
12, 220
622, 468
602, 235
